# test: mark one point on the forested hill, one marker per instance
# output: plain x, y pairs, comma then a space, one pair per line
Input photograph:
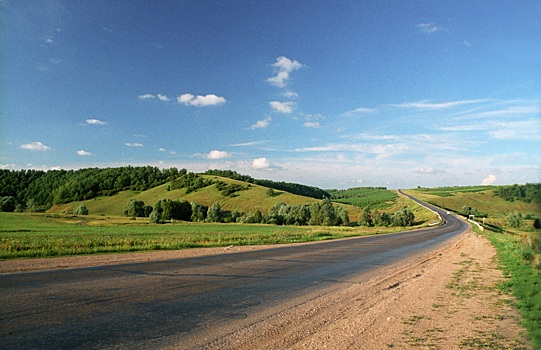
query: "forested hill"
39, 190
301, 190
43, 189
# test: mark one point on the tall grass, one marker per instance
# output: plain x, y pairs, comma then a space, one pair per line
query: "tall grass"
522, 280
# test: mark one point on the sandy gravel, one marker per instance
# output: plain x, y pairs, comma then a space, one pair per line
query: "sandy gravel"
443, 300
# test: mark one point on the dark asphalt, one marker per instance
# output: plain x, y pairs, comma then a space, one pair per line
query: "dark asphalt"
141, 303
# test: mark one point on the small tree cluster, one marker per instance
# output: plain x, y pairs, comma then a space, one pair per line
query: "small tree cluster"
136, 208
80, 210
368, 218
514, 219
320, 213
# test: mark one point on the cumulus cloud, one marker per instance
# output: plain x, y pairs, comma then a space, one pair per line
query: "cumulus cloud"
489, 180
134, 144
261, 124
215, 154
260, 163
282, 107
83, 153
313, 125
200, 101
429, 28
35, 146
283, 67
95, 122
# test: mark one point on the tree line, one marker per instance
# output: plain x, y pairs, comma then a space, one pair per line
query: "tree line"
529, 193
38, 190
322, 214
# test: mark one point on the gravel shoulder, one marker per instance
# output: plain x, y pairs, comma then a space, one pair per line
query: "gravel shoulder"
446, 299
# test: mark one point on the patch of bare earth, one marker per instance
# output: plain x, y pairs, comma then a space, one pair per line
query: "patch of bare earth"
445, 299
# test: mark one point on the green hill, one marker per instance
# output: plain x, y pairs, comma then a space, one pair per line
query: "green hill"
248, 200
484, 198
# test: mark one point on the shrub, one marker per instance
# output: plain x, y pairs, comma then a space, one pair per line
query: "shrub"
80, 210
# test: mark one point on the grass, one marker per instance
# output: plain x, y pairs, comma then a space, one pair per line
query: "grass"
375, 198
44, 235
522, 280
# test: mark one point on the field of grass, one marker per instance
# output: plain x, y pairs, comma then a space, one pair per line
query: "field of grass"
485, 200
43, 235
375, 198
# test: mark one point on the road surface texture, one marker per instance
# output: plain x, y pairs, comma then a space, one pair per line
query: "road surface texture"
228, 300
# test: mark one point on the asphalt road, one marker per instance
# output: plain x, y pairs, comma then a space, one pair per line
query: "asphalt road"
140, 304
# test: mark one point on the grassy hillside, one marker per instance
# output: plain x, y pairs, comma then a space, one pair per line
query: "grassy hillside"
483, 198
255, 197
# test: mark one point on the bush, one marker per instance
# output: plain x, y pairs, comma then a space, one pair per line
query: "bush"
155, 217
80, 210
135, 208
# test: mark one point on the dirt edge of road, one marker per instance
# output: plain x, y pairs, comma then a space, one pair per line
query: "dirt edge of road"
444, 299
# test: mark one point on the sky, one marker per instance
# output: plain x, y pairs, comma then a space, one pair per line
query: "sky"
333, 94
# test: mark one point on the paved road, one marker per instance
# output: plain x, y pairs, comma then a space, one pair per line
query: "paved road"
140, 304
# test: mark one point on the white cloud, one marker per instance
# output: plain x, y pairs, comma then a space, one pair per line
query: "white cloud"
489, 180
283, 66
430, 171
82, 152
95, 122
7, 166
442, 105
290, 94
131, 144
215, 154
260, 163
163, 97
314, 125
35, 146
510, 111
162, 150
146, 96
360, 110
246, 144
282, 107
260, 124
200, 101
429, 28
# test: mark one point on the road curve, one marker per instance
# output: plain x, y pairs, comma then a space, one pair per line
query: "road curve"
140, 305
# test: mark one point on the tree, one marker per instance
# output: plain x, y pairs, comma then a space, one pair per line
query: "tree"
80, 210
155, 217
199, 212
403, 217
215, 213
270, 192
514, 219
365, 218
135, 208
537, 224
7, 203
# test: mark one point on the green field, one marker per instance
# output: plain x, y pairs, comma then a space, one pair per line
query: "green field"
361, 197
44, 235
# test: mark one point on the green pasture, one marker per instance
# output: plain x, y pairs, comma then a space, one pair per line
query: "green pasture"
361, 197
43, 235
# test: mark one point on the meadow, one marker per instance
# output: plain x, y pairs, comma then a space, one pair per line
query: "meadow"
25, 235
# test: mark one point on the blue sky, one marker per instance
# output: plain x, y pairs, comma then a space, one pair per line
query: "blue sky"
333, 94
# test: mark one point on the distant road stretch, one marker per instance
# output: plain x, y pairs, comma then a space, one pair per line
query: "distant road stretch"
142, 305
